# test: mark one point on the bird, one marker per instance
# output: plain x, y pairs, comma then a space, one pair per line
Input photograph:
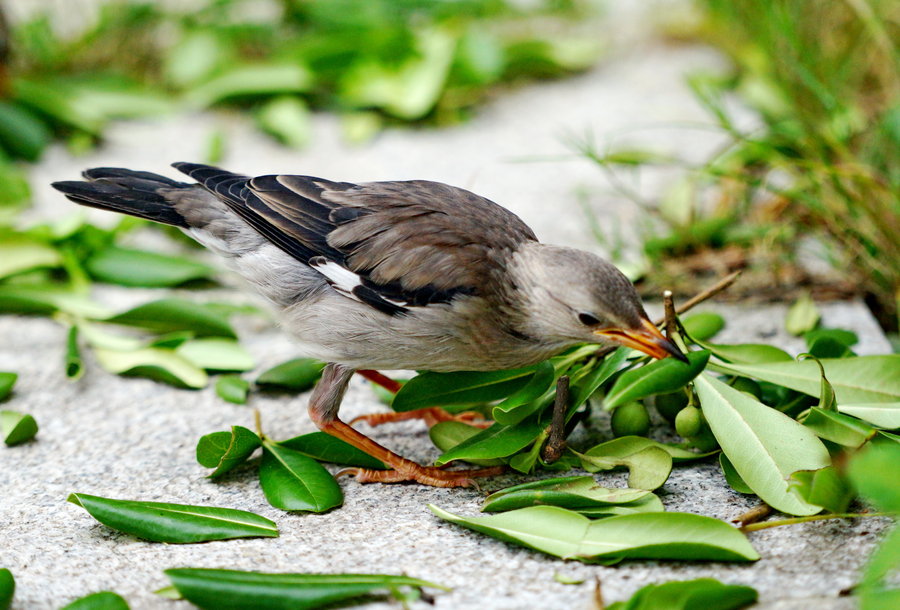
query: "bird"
393, 275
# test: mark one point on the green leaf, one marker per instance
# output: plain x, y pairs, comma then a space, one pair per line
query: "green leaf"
22, 133
17, 428
73, 363
633, 444
292, 481
45, 300
855, 380
648, 466
508, 411
648, 504
882, 414
216, 354
233, 388
703, 326
251, 80
154, 363
168, 315
448, 434
326, 448
438, 389
495, 442
129, 267
566, 534
19, 254
209, 588
567, 492
764, 445
844, 337
174, 523
104, 600
296, 375
193, 58
658, 377
288, 119
7, 381
873, 472
824, 487
731, 475
225, 450
699, 594
7, 588
803, 316
585, 387
838, 428
747, 353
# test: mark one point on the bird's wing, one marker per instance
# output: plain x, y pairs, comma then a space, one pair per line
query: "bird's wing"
392, 245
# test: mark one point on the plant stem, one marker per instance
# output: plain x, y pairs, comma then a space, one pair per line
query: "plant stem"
779, 522
257, 422
556, 443
753, 515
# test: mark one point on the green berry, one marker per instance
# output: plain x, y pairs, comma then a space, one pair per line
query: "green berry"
689, 422
668, 405
631, 419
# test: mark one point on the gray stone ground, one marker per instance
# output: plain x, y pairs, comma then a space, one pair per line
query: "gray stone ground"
133, 438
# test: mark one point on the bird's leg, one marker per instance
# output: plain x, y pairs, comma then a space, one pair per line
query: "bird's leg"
323, 410
430, 415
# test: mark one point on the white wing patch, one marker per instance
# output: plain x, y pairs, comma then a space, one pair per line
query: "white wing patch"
341, 279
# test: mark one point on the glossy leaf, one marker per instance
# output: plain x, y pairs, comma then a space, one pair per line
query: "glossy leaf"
210, 588
873, 472
567, 492
508, 411
326, 448
648, 467
731, 475
764, 445
128, 267
216, 354
297, 375
855, 380
7, 588
22, 133
44, 300
882, 414
495, 442
292, 481
7, 381
747, 353
838, 428
648, 504
233, 389
699, 594
703, 326
824, 487
174, 523
658, 377
845, 337
438, 389
633, 444
153, 363
104, 600
17, 428
167, 315
585, 387
566, 534
448, 434
225, 450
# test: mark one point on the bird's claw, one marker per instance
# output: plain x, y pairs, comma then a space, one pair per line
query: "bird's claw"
430, 415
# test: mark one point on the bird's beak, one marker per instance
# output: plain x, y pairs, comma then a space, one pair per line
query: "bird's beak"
647, 339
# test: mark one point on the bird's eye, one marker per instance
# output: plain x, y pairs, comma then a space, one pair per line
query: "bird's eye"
587, 319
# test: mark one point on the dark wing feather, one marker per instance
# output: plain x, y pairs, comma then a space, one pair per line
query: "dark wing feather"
410, 243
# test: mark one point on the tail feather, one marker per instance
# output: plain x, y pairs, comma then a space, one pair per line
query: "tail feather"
126, 191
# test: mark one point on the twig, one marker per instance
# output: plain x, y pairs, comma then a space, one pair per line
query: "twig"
778, 523
753, 515
556, 443
257, 420
599, 604
710, 292
669, 307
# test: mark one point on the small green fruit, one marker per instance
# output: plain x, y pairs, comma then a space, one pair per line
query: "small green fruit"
668, 405
631, 419
689, 422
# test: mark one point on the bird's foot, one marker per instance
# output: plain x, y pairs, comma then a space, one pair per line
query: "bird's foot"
426, 475
430, 415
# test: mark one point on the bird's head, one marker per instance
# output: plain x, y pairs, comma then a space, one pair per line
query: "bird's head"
571, 296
